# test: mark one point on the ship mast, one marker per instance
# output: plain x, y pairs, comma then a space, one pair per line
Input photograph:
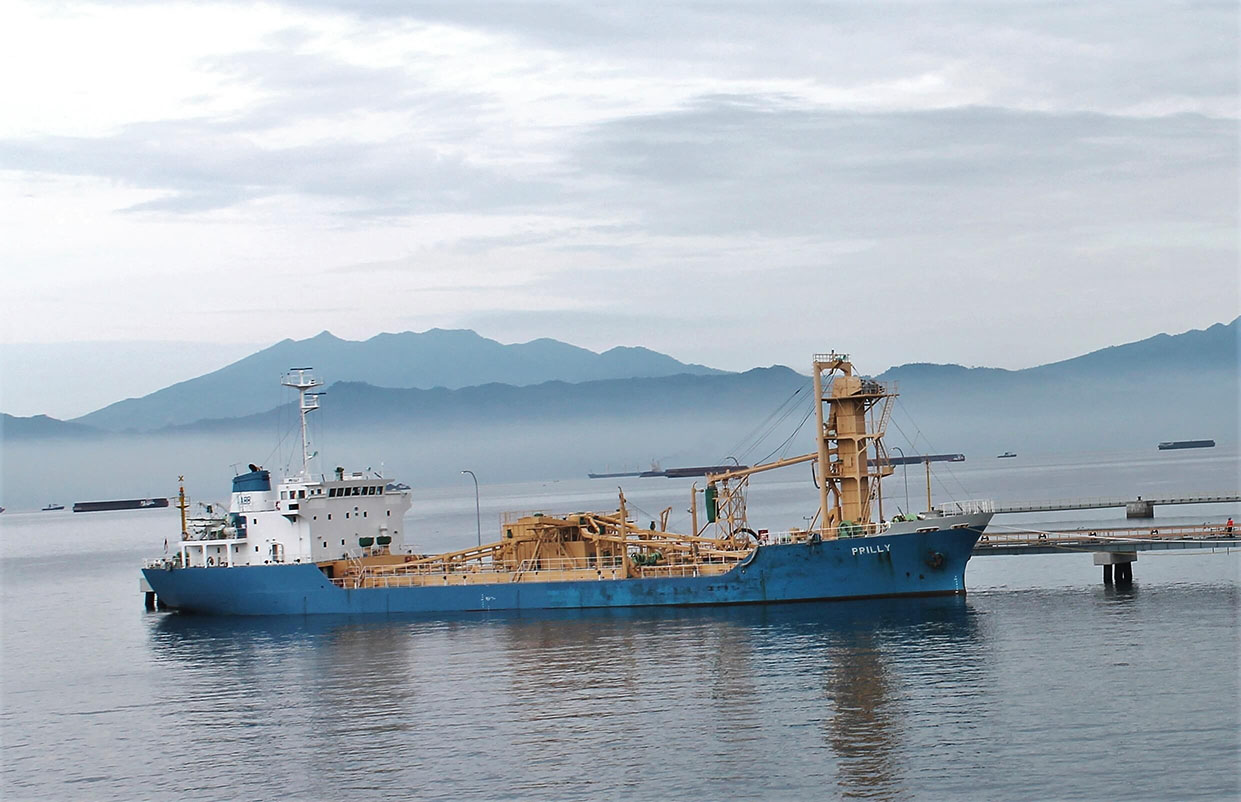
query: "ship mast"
302, 381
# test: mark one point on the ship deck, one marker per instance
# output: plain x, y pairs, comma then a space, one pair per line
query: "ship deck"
543, 570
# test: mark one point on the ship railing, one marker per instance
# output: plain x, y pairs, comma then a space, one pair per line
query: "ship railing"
968, 507
527, 567
221, 532
843, 531
513, 516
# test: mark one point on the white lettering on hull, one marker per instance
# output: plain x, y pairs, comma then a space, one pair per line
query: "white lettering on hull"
880, 548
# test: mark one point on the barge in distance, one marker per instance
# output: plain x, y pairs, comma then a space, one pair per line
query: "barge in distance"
1170, 445
309, 544
124, 504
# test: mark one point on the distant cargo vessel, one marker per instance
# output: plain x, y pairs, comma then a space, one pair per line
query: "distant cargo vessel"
310, 544
1006, 455
1169, 445
53, 507
126, 504
918, 459
671, 473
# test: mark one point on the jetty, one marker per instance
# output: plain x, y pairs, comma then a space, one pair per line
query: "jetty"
1140, 507
1114, 549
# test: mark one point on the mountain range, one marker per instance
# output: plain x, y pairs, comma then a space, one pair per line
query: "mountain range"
435, 358
1168, 387
422, 379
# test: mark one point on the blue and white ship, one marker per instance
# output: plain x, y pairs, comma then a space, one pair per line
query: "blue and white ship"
311, 544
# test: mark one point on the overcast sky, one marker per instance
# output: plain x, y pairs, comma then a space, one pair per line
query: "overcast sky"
733, 184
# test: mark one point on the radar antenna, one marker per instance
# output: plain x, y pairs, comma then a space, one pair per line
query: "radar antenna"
302, 380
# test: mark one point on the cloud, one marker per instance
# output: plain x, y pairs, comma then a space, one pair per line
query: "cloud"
757, 164
202, 168
621, 170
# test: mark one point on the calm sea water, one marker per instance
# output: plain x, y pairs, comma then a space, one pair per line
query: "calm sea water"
1042, 683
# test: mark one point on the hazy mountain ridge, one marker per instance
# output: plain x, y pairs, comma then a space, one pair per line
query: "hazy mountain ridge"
558, 429
356, 405
13, 427
1211, 350
1126, 371
435, 358
1166, 387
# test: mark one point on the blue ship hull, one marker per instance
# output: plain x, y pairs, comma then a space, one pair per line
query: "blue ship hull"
911, 564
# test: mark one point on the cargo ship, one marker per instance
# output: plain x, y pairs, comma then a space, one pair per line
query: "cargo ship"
1170, 445
312, 544
125, 504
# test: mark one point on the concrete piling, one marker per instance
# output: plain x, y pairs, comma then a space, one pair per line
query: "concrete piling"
1121, 561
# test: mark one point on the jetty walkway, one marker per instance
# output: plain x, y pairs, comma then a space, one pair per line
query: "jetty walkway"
999, 540
1112, 548
1134, 507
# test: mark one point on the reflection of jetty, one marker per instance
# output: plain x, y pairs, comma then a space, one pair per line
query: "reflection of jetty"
1134, 508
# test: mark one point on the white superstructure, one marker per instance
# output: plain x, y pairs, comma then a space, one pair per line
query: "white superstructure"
304, 518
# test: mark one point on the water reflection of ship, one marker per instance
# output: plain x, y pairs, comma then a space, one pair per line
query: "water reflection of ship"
718, 663
844, 674
866, 726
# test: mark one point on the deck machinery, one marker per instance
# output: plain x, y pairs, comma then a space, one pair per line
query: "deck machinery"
851, 415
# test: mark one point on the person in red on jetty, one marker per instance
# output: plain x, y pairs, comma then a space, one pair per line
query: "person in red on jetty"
1228, 526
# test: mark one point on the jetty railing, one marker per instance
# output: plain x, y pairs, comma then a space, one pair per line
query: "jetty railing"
1000, 540
968, 507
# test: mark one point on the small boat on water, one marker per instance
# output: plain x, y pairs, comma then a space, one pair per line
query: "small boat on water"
1170, 445
1006, 455
53, 507
311, 544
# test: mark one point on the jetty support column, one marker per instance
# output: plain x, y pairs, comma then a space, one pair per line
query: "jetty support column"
1139, 509
1122, 563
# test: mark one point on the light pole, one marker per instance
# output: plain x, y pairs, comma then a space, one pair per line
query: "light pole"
904, 474
478, 519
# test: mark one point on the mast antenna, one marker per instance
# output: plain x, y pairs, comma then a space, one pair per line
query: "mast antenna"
302, 380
